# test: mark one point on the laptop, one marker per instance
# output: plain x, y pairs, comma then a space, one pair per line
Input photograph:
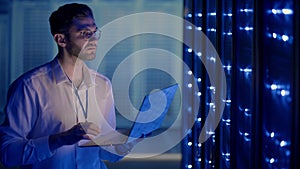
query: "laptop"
151, 114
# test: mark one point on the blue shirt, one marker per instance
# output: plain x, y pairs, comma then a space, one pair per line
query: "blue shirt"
42, 102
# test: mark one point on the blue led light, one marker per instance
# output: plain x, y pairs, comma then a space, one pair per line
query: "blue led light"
228, 67
213, 59
246, 70
275, 11
284, 93
246, 28
189, 27
212, 88
228, 14
226, 121
226, 156
245, 135
210, 132
272, 160
283, 143
284, 11
245, 111
227, 33
211, 105
246, 10
274, 87
211, 30
227, 102
212, 14
278, 32
284, 38
272, 134
279, 89
287, 11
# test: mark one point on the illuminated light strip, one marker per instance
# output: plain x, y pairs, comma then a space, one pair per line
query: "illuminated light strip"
247, 28
283, 11
284, 38
246, 10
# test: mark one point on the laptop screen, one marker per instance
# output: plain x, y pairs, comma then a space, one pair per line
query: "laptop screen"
152, 112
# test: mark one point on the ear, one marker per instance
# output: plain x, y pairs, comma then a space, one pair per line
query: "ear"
60, 40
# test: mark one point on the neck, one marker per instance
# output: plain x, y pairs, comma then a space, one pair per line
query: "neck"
72, 66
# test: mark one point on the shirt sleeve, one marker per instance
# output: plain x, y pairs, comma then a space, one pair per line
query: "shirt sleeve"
109, 112
16, 145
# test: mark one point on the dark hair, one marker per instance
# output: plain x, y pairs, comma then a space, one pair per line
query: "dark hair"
62, 19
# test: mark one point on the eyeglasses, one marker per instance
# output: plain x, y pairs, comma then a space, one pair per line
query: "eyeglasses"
87, 34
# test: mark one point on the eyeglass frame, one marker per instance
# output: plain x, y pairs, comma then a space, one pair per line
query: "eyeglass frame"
86, 34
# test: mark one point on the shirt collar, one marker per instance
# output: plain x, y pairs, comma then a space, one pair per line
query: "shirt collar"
60, 76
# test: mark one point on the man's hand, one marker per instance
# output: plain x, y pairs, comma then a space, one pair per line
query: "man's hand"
78, 132
124, 149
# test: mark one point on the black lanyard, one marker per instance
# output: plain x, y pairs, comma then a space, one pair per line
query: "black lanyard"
78, 97
80, 102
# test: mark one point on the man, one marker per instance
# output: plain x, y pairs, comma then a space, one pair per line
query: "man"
51, 108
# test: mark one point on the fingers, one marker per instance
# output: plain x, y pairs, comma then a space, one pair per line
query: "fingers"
122, 149
90, 128
87, 136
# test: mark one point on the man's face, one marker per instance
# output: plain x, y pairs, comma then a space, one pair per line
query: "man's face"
83, 38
